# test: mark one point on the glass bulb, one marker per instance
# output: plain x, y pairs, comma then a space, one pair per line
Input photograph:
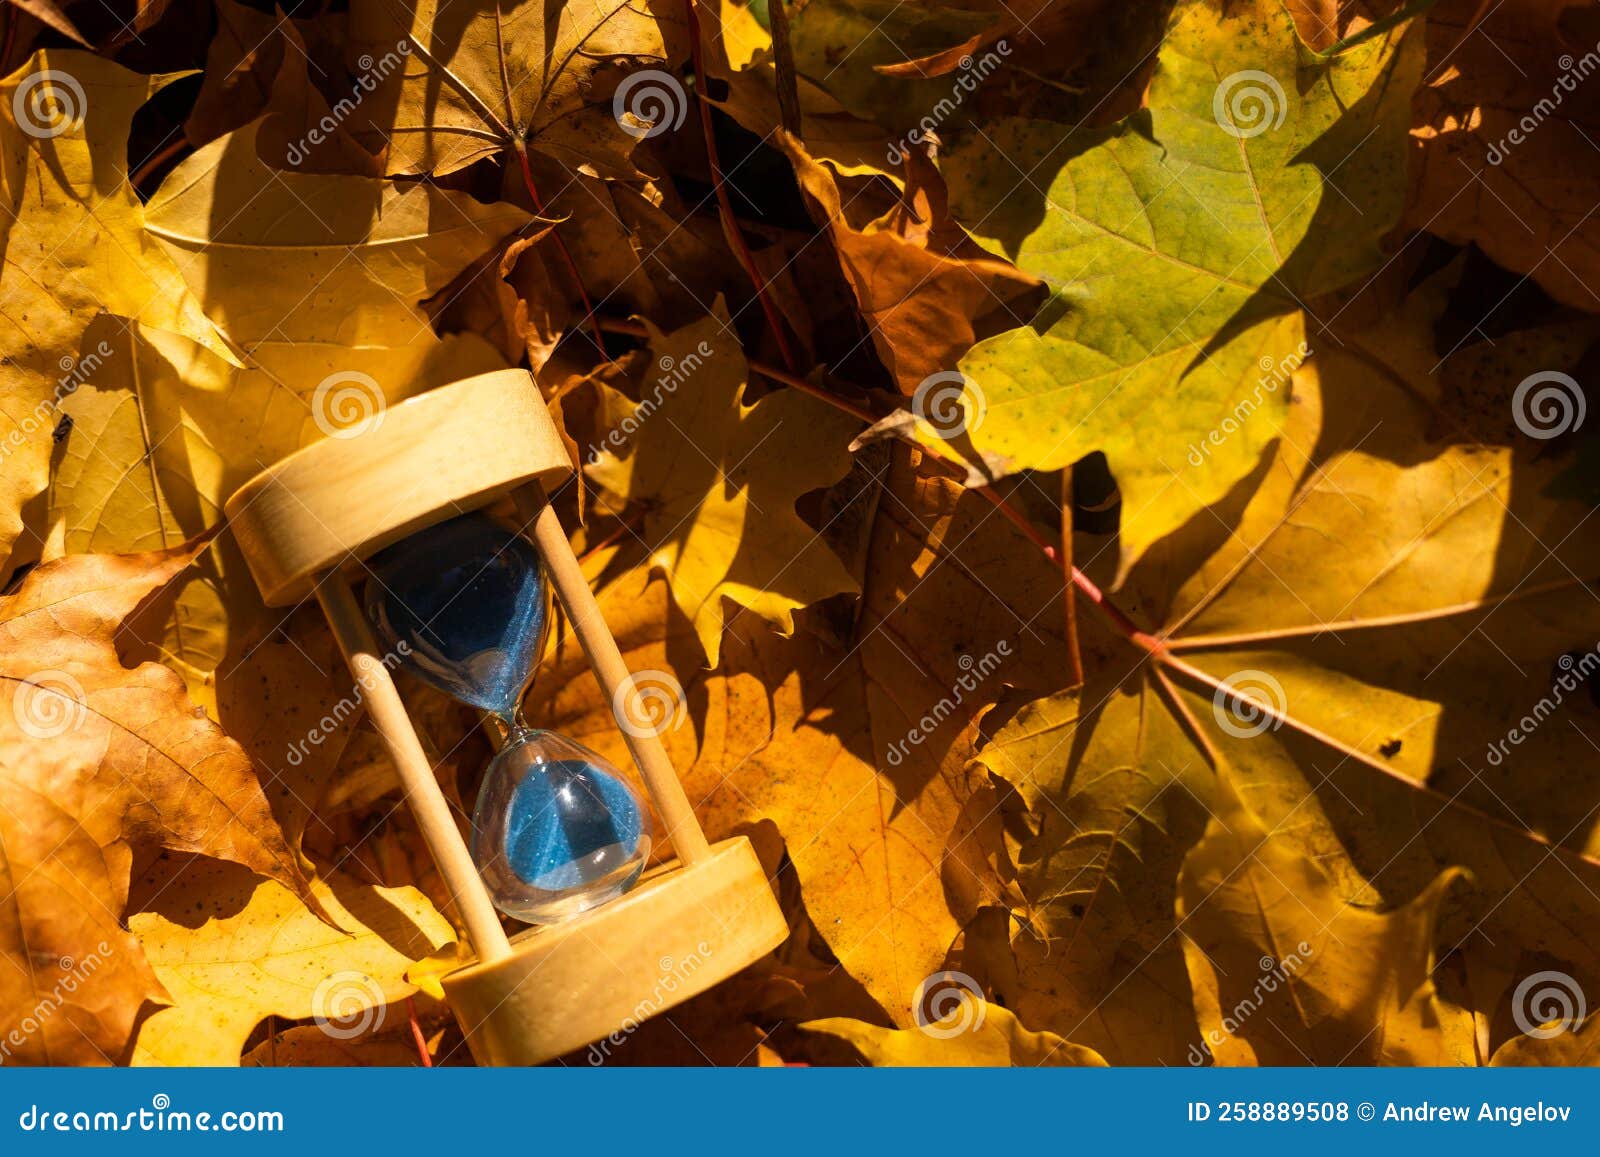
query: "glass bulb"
557, 830
465, 604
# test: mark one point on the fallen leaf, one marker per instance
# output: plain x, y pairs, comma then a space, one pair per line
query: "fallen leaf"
280, 256
97, 760
1296, 974
74, 249
1503, 146
977, 1035
719, 481
233, 949
1181, 247
923, 307
516, 76
1359, 702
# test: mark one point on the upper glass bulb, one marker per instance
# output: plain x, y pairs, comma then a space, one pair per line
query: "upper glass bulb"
557, 830
465, 604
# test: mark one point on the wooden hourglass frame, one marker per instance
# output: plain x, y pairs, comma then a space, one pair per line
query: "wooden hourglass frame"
307, 521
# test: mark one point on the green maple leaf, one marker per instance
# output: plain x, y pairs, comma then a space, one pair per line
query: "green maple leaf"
1183, 247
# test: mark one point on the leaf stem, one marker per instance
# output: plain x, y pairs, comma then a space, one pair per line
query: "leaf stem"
416, 1035
1068, 591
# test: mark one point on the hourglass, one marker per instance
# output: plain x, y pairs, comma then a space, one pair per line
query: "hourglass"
559, 839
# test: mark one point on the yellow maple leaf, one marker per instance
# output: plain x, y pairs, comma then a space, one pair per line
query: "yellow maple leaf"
719, 480
233, 948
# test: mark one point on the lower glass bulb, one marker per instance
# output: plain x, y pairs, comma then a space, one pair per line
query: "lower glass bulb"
557, 830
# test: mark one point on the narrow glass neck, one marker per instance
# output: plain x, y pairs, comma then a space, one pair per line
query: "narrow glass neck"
504, 732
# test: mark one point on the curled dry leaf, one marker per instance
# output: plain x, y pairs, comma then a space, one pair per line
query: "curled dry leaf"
924, 301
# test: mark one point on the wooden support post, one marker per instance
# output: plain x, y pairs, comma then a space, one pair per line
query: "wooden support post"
609, 668
416, 774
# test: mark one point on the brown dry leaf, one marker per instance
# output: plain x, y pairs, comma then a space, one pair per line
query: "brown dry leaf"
925, 305
97, 759
306, 1046
1292, 973
976, 1034
739, 53
512, 76
1559, 1044
233, 949
50, 12
1506, 127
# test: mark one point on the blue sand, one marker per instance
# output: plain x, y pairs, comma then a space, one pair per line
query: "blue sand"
468, 598
562, 814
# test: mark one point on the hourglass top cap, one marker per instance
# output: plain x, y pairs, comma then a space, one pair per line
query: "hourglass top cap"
410, 465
